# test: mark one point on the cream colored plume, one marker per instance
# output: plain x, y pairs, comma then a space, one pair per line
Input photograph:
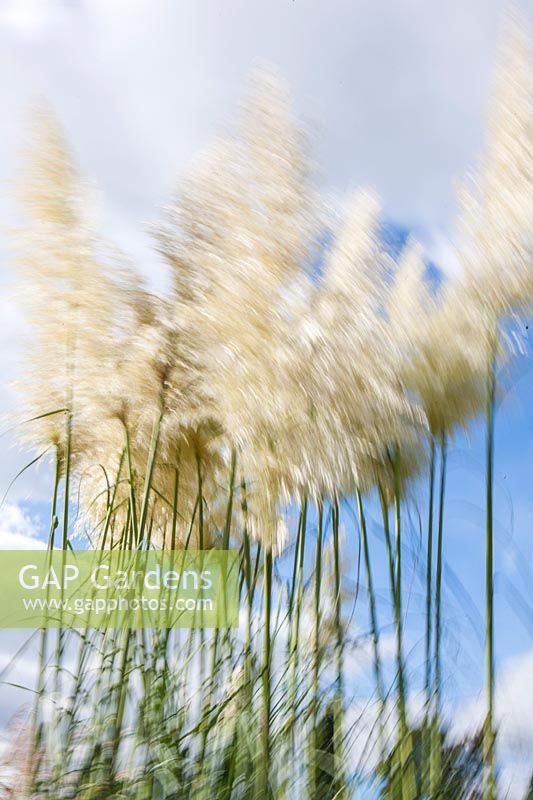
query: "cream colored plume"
443, 348
65, 290
409, 300
314, 382
348, 404
449, 370
236, 236
107, 350
495, 240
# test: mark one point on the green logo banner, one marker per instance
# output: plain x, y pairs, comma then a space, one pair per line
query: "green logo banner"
119, 589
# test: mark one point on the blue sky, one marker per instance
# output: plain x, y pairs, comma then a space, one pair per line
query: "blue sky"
395, 96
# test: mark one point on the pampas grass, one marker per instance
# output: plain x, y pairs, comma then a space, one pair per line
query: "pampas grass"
253, 393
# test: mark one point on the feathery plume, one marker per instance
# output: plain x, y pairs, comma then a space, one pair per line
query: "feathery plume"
494, 239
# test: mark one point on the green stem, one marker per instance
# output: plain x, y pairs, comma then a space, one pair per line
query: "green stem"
131, 481
427, 730
175, 508
200, 546
200, 503
68, 447
398, 595
438, 576
64, 545
208, 702
85, 640
489, 734
121, 693
265, 725
35, 728
373, 623
297, 605
435, 743
407, 773
388, 543
316, 652
248, 578
429, 575
339, 654
148, 479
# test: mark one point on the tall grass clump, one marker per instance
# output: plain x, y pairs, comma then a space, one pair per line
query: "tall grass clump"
293, 383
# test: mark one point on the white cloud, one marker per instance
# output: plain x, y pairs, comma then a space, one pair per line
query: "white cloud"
25, 17
514, 715
396, 91
439, 250
19, 530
